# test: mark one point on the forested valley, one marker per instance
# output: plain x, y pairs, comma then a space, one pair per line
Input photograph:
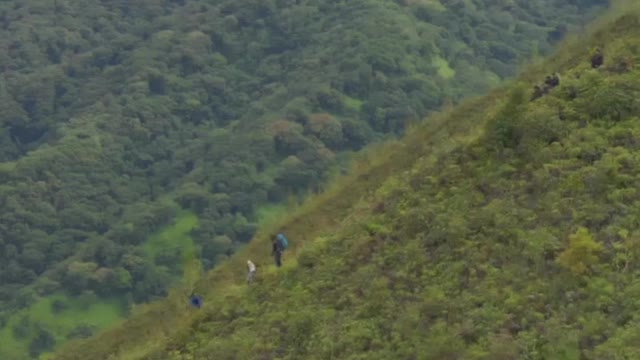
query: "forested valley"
135, 136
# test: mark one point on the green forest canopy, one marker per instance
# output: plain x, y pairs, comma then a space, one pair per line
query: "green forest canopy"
116, 119
505, 229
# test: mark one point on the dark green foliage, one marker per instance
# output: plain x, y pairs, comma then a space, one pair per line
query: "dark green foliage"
43, 341
506, 129
22, 328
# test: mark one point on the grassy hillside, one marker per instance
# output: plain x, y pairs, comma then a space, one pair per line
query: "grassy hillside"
120, 117
504, 228
55, 319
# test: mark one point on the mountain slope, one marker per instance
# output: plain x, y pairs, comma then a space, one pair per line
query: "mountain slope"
123, 121
514, 237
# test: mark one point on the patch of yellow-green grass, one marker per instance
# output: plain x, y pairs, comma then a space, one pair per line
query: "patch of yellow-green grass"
175, 236
6, 168
79, 311
352, 103
444, 70
492, 78
270, 213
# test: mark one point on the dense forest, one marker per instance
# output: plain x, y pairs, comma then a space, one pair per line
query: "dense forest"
131, 132
503, 229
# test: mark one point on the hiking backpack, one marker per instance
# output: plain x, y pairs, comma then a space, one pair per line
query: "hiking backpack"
284, 243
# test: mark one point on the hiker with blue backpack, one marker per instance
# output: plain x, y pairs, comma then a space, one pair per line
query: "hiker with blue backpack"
279, 244
195, 300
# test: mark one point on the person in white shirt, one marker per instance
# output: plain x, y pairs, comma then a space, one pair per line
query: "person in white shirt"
252, 271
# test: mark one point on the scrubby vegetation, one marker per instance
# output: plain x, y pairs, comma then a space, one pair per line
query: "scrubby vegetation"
124, 123
503, 229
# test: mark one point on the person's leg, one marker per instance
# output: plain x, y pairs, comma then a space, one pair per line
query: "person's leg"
278, 259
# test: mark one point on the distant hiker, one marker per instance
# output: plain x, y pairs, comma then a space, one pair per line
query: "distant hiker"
552, 80
597, 59
282, 240
196, 301
537, 92
251, 277
279, 243
276, 251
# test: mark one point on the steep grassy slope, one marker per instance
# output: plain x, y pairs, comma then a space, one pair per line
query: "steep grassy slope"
506, 228
117, 115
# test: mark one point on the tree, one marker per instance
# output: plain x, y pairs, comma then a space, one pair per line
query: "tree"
120, 280
78, 275
582, 254
287, 136
43, 341
326, 128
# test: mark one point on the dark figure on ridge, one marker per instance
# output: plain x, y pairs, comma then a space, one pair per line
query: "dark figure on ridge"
538, 92
597, 59
196, 301
279, 244
276, 251
552, 80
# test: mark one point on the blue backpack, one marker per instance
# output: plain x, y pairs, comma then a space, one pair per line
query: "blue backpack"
284, 243
196, 301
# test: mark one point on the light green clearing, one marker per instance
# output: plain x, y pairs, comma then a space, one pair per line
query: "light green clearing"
352, 103
444, 70
268, 214
175, 236
492, 78
80, 311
